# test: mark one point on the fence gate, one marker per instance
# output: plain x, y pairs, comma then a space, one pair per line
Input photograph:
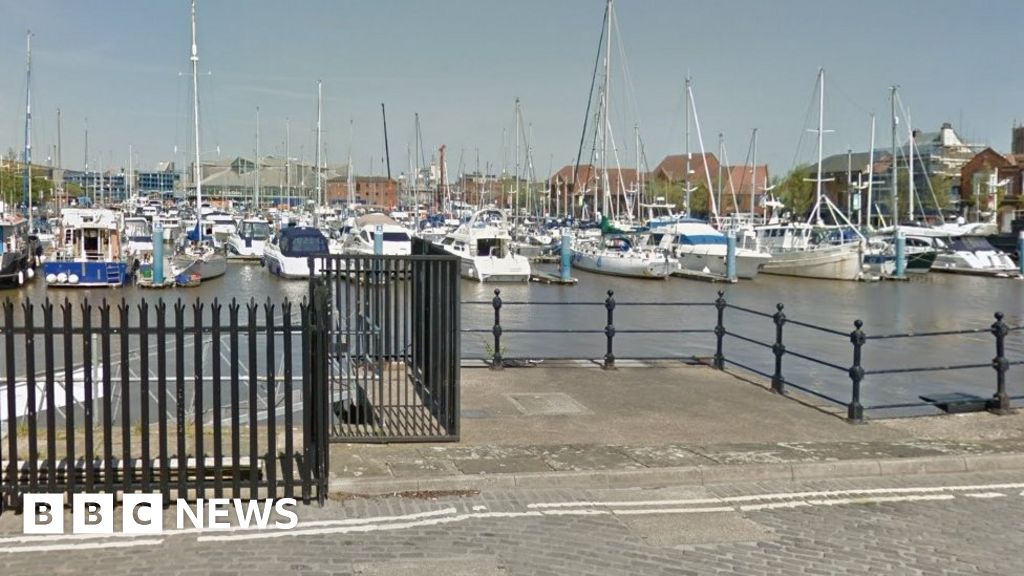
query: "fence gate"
393, 362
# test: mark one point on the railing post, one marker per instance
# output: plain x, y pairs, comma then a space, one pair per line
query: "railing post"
719, 361
609, 331
496, 361
779, 349
855, 411
1000, 403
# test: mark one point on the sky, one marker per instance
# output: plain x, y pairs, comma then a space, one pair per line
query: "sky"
120, 68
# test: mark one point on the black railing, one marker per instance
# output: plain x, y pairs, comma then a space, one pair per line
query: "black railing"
166, 398
844, 365
497, 358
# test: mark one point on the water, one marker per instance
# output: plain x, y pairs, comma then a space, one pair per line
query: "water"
928, 303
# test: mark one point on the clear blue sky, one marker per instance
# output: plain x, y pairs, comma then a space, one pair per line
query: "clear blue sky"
461, 63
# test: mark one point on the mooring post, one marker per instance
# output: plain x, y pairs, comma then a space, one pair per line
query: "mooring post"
1020, 251
779, 349
496, 361
1000, 403
855, 411
719, 361
730, 256
901, 254
566, 254
378, 240
609, 331
158, 254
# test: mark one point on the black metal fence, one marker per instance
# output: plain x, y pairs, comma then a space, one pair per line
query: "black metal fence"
393, 347
175, 399
495, 352
739, 333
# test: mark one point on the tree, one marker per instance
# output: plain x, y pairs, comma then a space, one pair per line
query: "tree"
796, 190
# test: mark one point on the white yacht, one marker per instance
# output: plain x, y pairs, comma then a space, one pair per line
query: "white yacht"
700, 248
808, 251
966, 254
248, 240
288, 252
615, 255
361, 239
138, 239
485, 247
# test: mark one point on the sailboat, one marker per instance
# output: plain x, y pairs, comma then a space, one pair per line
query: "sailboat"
615, 252
198, 259
812, 249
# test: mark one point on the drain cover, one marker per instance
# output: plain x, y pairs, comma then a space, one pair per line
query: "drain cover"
547, 404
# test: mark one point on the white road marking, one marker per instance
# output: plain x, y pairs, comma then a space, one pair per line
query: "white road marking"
986, 495
80, 547
778, 496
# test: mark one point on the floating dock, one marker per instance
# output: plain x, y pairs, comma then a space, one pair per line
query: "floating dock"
703, 276
547, 278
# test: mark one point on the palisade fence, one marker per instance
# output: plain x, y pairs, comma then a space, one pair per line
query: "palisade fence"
854, 370
177, 398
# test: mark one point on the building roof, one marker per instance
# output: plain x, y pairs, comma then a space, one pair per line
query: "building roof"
619, 179
742, 178
673, 167
240, 172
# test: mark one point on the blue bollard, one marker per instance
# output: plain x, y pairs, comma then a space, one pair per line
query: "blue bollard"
158, 254
730, 256
378, 240
565, 268
901, 259
1020, 251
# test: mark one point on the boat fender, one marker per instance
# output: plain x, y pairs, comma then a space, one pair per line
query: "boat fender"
30, 273
21, 277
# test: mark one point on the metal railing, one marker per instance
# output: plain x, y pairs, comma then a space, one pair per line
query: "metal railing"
167, 399
846, 370
497, 360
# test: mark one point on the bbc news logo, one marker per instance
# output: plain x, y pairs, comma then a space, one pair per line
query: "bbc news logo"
143, 514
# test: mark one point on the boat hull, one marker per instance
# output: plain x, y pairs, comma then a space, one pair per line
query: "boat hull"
747, 265
485, 269
84, 274
625, 264
985, 263
831, 263
207, 268
290, 268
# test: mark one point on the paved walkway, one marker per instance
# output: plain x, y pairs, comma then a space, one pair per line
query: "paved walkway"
664, 424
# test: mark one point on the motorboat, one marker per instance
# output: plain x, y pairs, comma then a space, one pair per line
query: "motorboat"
288, 252
138, 239
700, 248
87, 250
363, 237
616, 255
808, 251
485, 248
248, 240
967, 255
19, 250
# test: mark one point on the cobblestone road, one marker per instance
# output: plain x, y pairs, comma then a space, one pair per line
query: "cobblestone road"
941, 524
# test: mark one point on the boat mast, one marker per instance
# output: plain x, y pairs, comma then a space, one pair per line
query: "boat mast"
895, 192
606, 96
688, 188
821, 141
288, 160
910, 169
753, 179
195, 124
319, 104
515, 185
871, 169
256, 183
28, 126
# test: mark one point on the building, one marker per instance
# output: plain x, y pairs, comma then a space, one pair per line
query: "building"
280, 181
164, 180
672, 169
736, 191
379, 191
988, 177
622, 182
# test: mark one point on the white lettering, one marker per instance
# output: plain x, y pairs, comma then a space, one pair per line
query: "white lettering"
253, 511
283, 507
183, 509
218, 509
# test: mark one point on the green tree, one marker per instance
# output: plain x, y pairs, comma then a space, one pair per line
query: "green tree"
796, 191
